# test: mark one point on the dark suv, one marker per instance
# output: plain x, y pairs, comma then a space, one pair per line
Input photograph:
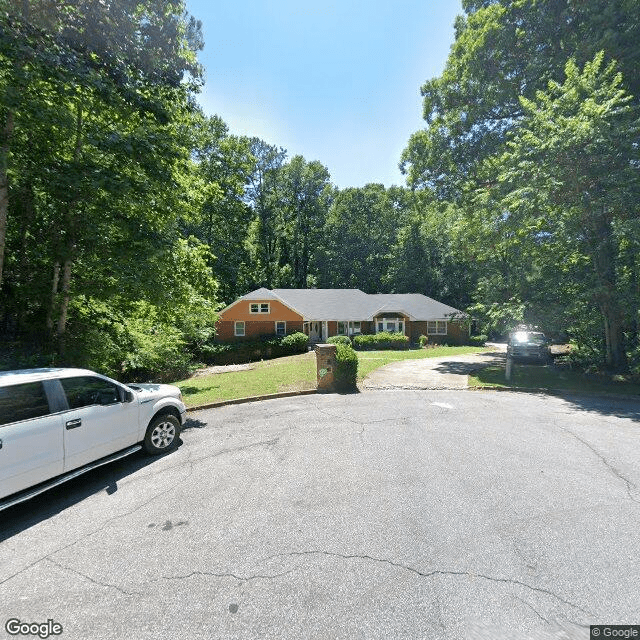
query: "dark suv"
529, 345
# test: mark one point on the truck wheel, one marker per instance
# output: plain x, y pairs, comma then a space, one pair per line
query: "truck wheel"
162, 434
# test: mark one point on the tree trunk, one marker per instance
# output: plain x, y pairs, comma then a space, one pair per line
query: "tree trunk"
61, 329
54, 296
614, 337
4, 187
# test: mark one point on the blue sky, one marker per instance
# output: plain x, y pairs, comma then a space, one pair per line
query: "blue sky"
336, 81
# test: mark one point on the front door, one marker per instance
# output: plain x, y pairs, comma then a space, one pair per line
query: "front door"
315, 331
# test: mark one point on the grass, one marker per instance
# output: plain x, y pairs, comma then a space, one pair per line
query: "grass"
290, 374
268, 376
553, 377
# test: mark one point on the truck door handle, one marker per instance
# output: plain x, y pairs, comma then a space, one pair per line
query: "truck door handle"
74, 424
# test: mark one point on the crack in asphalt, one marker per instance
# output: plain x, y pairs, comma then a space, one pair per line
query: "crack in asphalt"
93, 580
262, 443
430, 574
103, 525
362, 423
618, 474
212, 574
190, 461
527, 604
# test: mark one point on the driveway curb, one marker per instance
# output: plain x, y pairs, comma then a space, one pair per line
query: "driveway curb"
270, 396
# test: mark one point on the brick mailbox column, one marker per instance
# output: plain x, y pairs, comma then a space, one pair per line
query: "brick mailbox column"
326, 366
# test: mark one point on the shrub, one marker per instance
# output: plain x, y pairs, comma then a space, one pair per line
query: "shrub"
423, 340
346, 373
339, 340
264, 347
295, 343
478, 341
382, 340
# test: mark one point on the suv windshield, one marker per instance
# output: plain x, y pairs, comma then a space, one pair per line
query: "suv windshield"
530, 337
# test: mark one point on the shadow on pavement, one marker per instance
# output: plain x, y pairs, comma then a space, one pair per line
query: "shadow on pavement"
48, 504
606, 406
461, 367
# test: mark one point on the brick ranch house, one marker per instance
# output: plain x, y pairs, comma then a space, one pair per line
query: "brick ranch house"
322, 313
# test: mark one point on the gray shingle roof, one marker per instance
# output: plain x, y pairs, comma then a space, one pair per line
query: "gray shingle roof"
327, 304
353, 304
419, 307
259, 294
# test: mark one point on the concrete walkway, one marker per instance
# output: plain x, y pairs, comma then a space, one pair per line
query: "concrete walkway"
449, 372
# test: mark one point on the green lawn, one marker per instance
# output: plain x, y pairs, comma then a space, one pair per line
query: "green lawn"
290, 374
552, 377
268, 376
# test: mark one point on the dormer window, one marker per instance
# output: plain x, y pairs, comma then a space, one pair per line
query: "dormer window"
259, 307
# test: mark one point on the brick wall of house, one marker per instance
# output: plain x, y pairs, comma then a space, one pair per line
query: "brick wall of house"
252, 329
457, 333
256, 324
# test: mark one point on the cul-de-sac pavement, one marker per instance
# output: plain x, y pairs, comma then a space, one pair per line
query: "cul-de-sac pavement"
377, 515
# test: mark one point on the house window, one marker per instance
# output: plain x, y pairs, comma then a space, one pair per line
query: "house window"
392, 325
354, 328
238, 328
342, 328
281, 328
259, 307
437, 327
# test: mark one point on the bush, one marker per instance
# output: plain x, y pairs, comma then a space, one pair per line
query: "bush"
423, 341
262, 348
478, 341
296, 342
346, 373
339, 340
382, 340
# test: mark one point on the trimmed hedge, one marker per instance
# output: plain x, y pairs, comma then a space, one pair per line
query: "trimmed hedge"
346, 373
339, 340
478, 340
261, 348
297, 342
380, 341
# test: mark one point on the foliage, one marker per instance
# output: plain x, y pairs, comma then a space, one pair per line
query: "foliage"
382, 340
297, 342
261, 348
339, 340
423, 341
531, 141
478, 340
346, 371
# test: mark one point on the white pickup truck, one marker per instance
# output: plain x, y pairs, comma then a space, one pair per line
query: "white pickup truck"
58, 423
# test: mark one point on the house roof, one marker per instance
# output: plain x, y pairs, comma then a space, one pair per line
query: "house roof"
260, 294
327, 304
417, 306
354, 305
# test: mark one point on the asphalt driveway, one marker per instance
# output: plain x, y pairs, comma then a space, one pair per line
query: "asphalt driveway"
390, 515
448, 372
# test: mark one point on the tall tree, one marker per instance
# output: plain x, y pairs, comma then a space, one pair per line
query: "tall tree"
505, 49
572, 180
139, 51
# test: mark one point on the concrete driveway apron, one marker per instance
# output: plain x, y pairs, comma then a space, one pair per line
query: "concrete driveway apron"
449, 372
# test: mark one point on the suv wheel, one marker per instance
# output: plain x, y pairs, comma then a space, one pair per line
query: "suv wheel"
162, 434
